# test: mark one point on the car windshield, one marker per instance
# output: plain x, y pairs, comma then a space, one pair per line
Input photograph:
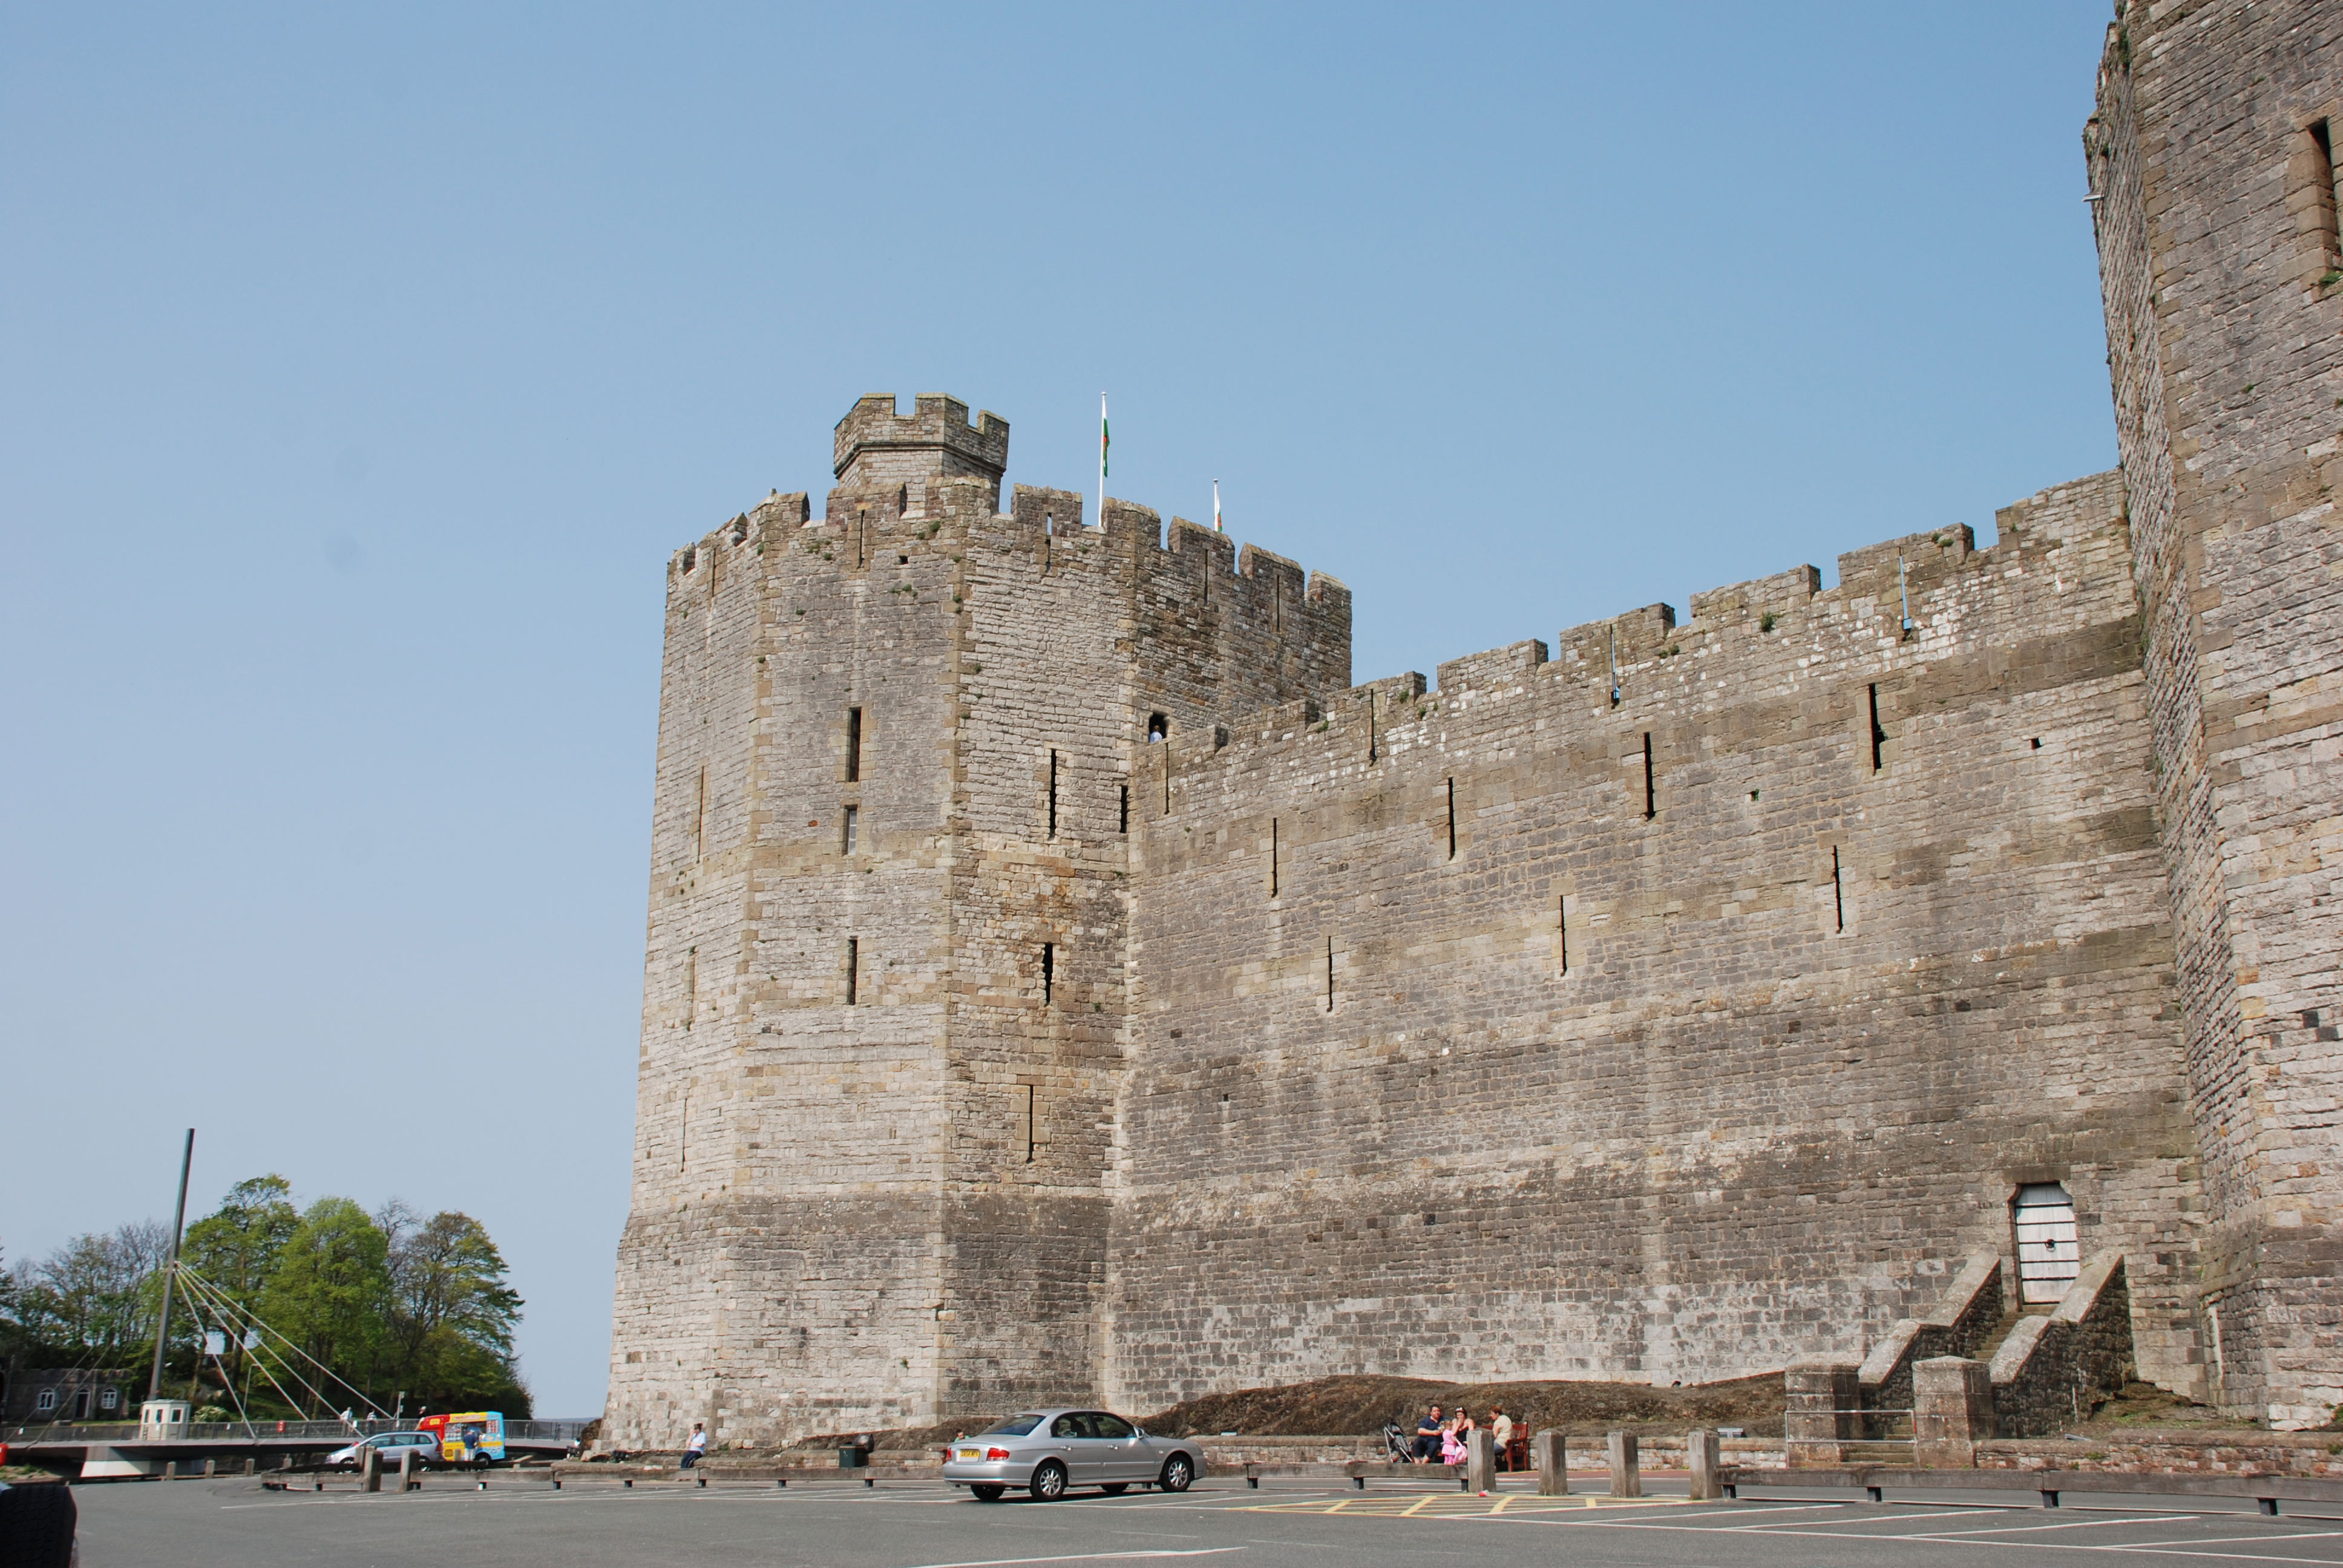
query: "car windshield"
1015, 1426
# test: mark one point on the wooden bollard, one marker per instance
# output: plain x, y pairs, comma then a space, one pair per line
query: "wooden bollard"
1548, 1454
369, 1469
407, 1482
1704, 1457
1627, 1468
1480, 1460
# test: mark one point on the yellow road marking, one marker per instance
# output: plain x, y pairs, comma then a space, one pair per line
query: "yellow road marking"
1500, 1508
1419, 1503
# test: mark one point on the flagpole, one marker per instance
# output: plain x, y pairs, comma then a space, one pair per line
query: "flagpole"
1216, 505
1101, 507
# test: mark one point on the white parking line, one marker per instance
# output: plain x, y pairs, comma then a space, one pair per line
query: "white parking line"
1081, 1557
2274, 1535
1884, 1518
2076, 1524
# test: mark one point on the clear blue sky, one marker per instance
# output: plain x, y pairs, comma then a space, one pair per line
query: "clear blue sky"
363, 364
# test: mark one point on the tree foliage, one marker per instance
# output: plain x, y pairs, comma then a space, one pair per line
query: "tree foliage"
394, 1304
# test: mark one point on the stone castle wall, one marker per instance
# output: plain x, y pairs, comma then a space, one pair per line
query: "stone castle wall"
1668, 1002
873, 1206
1630, 1084
2223, 278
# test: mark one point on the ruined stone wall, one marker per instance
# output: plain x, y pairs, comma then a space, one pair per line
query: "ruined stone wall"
1523, 1033
2224, 286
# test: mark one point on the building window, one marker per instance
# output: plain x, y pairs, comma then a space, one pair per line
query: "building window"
1049, 971
2049, 1250
1157, 728
45, 1401
853, 745
2320, 211
109, 1399
853, 969
853, 824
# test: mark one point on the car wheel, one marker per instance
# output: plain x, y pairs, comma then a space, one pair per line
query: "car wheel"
1179, 1474
987, 1493
1049, 1482
1115, 1488
36, 1523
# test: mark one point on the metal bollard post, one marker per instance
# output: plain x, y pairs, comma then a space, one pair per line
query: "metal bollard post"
1704, 1455
701, 1479
1548, 1454
1627, 1468
780, 1484
629, 1483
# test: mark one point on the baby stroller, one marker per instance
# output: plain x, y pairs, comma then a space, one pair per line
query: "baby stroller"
1395, 1445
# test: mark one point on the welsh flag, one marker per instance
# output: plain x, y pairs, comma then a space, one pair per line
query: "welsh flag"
1102, 436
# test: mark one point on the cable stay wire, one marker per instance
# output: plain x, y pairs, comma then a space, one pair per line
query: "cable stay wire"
268, 1328
228, 1378
317, 1395
290, 1402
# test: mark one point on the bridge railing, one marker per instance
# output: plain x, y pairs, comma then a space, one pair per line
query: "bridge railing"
199, 1430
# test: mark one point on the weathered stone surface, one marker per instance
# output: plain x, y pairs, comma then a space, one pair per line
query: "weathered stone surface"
1952, 1412
2224, 286
1668, 1002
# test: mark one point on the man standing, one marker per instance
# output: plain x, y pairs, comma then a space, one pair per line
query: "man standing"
1427, 1437
696, 1446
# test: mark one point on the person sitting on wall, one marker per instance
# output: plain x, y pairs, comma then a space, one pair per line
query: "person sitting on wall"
1427, 1437
696, 1447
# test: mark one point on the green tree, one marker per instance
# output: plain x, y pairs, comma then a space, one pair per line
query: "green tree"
452, 1314
330, 1292
94, 1299
236, 1250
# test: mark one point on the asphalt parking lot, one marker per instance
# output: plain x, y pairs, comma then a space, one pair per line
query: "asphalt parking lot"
523, 1521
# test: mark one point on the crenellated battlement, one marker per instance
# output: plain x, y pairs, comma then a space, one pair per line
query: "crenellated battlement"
2061, 567
875, 447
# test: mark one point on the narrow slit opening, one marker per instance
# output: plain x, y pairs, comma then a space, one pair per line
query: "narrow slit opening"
1651, 790
1053, 794
1561, 930
1838, 891
1878, 736
1451, 818
1029, 1123
1330, 974
1122, 822
853, 969
1049, 971
849, 829
2322, 147
854, 746
1272, 857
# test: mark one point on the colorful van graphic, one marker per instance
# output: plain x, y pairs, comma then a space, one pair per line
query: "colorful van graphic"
475, 1438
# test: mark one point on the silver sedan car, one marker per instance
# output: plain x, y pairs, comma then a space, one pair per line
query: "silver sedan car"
1048, 1451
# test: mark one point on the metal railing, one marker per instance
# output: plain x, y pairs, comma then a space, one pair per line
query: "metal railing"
200, 1430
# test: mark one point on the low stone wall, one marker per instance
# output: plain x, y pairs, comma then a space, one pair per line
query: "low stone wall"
2049, 1371
1959, 1324
2175, 1454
